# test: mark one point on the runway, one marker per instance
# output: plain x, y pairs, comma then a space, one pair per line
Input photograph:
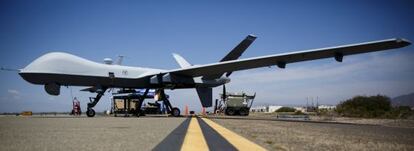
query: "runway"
194, 133
204, 134
118, 133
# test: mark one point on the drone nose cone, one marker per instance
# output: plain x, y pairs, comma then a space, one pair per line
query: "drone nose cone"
29, 77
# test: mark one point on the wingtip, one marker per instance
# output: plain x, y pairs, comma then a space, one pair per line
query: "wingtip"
403, 40
252, 35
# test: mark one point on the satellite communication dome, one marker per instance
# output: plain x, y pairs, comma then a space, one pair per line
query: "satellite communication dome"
107, 61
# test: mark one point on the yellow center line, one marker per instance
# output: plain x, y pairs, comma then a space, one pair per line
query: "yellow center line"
239, 142
194, 138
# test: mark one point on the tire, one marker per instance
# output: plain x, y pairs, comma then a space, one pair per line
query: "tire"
230, 111
90, 113
141, 113
244, 112
175, 112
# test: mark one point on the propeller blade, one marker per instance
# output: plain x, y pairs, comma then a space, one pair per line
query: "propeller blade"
215, 106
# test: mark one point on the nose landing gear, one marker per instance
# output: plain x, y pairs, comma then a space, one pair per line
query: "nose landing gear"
90, 112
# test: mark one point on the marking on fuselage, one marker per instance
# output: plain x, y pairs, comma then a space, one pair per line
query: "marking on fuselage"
124, 72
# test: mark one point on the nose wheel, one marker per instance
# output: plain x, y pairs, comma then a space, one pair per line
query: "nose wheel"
90, 113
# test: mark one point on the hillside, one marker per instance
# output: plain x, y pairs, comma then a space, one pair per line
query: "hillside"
403, 100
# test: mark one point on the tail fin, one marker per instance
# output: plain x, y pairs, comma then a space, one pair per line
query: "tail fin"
234, 54
206, 96
239, 49
181, 61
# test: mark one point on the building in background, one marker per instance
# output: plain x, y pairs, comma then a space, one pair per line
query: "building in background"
300, 108
273, 108
258, 109
265, 109
327, 107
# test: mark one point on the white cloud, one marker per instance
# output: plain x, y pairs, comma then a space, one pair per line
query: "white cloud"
11, 91
51, 98
14, 94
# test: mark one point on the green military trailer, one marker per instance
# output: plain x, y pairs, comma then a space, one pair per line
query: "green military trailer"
235, 104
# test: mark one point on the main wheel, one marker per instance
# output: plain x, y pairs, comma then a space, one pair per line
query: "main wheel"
230, 111
90, 113
175, 112
244, 112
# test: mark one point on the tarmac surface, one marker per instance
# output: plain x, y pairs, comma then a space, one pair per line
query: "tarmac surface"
169, 133
117, 133
82, 133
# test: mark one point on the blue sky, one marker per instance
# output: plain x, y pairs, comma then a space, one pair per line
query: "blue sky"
147, 32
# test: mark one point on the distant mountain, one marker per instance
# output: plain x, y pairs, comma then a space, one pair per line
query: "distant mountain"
403, 100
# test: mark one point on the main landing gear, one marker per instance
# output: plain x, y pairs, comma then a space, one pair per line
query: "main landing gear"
174, 111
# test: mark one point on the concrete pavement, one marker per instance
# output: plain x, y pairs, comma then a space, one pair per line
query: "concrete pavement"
118, 133
213, 133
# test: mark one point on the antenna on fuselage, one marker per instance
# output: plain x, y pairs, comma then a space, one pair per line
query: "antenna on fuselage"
120, 59
8, 69
108, 61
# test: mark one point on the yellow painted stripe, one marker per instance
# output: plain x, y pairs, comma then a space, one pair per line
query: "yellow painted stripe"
236, 140
194, 138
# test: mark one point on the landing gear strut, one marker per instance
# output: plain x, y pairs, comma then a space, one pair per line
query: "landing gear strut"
93, 101
170, 110
139, 104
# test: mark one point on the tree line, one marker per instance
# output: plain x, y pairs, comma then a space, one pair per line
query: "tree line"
378, 106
